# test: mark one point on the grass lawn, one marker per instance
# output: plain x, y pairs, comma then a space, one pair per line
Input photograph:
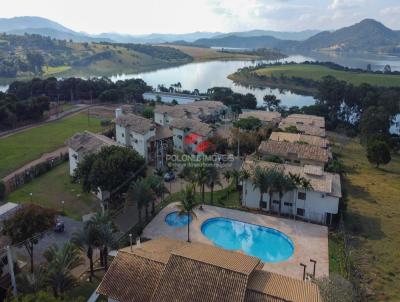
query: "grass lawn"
316, 72
372, 219
49, 70
21, 148
53, 187
205, 54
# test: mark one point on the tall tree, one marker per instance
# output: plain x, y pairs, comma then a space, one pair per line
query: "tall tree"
213, 179
378, 153
156, 184
60, 262
263, 183
187, 206
28, 226
140, 193
85, 239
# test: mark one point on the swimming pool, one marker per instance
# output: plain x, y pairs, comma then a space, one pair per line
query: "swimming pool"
268, 244
175, 220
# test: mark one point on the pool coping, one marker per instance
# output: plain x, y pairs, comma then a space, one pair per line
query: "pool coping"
310, 240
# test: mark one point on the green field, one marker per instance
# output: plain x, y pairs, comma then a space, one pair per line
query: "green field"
317, 72
23, 147
372, 219
53, 187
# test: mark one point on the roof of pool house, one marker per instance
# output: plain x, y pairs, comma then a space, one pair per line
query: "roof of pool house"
262, 115
87, 142
321, 181
166, 270
298, 137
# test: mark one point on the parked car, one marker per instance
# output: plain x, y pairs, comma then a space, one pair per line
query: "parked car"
169, 176
59, 226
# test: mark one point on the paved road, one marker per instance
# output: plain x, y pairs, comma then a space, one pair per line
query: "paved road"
51, 237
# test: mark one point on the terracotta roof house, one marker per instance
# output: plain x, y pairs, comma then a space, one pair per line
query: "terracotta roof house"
264, 116
298, 137
315, 204
190, 135
168, 270
306, 124
151, 141
200, 110
84, 143
296, 153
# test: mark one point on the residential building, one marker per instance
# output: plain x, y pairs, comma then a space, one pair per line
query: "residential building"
306, 124
151, 141
134, 131
266, 117
190, 135
300, 138
206, 111
317, 204
168, 270
295, 153
83, 144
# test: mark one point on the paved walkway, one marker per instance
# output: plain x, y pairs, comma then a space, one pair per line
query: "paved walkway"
310, 240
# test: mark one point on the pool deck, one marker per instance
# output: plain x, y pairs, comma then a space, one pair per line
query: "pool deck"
310, 240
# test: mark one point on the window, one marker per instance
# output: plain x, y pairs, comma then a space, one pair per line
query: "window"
301, 195
275, 201
288, 204
180, 137
300, 212
263, 204
123, 135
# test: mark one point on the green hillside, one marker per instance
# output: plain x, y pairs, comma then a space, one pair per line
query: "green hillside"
35, 55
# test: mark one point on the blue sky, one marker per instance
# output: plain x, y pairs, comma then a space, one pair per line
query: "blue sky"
180, 16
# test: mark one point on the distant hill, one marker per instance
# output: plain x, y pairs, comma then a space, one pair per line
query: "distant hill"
20, 23
244, 42
35, 55
282, 35
366, 36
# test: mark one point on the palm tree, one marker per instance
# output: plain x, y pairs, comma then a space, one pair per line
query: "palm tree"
300, 182
261, 182
235, 174
283, 184
107, 240
156, 184
86, 239
104, 233
60, 262
244, 175
213, 179
201, 180
141, 194
227, 175
188, 205
32, 282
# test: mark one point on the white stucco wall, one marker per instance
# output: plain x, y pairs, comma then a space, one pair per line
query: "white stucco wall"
159, 118
315, 206
121, 135
73, 161
178, 138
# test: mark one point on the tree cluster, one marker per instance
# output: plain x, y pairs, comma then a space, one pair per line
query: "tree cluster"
236, 101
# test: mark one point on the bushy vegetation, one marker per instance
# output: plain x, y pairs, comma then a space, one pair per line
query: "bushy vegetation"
236, 101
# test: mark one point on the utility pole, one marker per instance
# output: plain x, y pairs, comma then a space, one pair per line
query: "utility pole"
11, 268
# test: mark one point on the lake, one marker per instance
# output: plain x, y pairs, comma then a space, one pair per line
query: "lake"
204, 75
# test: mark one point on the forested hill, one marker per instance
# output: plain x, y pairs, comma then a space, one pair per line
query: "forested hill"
366, 36
29, 55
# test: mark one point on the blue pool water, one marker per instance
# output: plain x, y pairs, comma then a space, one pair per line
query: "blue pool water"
175, 220
265, 243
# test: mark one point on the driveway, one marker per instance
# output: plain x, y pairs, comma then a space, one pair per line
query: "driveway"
50, 238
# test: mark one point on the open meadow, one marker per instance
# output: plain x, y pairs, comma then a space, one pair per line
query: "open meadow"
372, 199
23, 147
317, 72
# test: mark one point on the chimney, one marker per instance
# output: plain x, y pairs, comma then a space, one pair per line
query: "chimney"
118, 112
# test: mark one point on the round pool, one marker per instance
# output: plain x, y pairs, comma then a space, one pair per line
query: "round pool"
265, 243
175, 220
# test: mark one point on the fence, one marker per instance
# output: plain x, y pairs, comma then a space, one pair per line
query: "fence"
31, 173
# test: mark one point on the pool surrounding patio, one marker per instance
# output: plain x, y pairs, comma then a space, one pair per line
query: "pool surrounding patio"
310, 241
